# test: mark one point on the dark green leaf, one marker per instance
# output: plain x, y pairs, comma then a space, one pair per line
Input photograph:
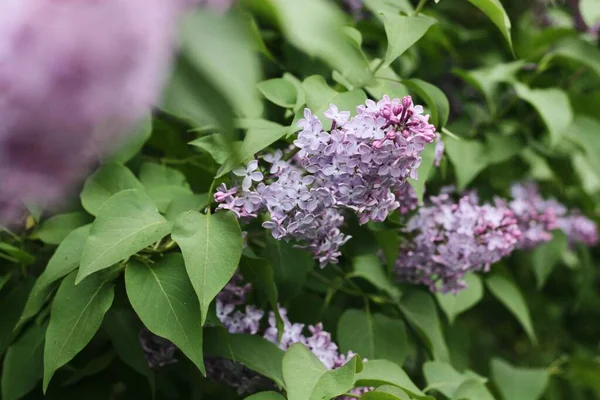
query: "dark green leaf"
383, 372
455, 304
578, 51
134, 141
545, 257
473, 389
217, 146
212, 248
373, 336
436, 100
12, 303
126, 223
20, 256
469, 158
369, 267
427, 160
164, 299
93, 367
55, 229
496, 13
188, 202
402, 32
77, 312
519, 383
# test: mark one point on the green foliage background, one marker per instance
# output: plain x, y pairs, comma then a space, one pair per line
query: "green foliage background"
512, 99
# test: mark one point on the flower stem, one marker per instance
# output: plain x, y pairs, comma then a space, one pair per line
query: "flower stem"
420, 6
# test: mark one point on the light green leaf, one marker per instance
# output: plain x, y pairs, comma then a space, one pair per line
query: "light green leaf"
134, 142
455, 304
545, 257
576, 50
319, 95
442, 377
380, 7
383, 372
584, 132
77, 312
508, 293
373, 336
427, 160
590, 11
20, 256
265, 396
420, 311
306, 23
217, 146
402, 32
519, 383
469, 158
163, 184
279, 91
291, 266
386, 82
23, 365
212, 248
300, 95
552, 105
338, 381
501, 148
386, 392
436, 100
126, 223
260, 134
55, 229
301, 372
164, 299
473, 389
496, 13
109, 179
255, 352
65, 260
369, 267
188, 202
219, 47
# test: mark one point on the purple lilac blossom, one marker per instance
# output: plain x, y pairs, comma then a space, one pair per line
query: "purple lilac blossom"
452, 239
359, 166
407, 197
159, 351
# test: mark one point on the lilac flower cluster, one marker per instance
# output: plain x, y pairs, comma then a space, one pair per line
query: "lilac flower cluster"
359, 166
158, 351
452, 239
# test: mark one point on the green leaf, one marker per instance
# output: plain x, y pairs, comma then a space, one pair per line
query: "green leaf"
373, 336
23, 364
584, 132
319, 95
501, 148
420, 311
443, 377
306, 23
134, 141
576, 50
469, 158
380, 7
300, 95
127, 223
219, 47
55, 229
217, 146
383, 372
291, 266
255, 352
427, 160
386, 82
473, 389
552, 105
368, 266
163, 184
261, 134
19, 256
436, 100
279, 91
65, 260
338, 381
496, 13
545, 257
590, 11
519, 383
212, 248
508, 293
402, 32
93, 367
184, 203
11, 304
389, 242
164, 299
109, 179
301, 372
77, 312
265, 396
455, 304
386, 392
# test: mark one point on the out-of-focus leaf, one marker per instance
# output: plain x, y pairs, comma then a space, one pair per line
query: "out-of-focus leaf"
373, 336
11, 304
584, 132
427, 160
265, 396
23, 364
389, 242
300, 95
369, 267
380, 7
279, 91
134, 142
455, 304
386, 82
402, 32
212, 248
383, 372
545, 257
469, 158
126, 223
473, 389
18, 255
55, 229
501, 148
305, 25
436, 100
77, 313
519, 383
164, 299
108, 180
553, 106
93, 367
590, 11
577, 50
508, 293
420, 311
442, 377
496, 13
253, 351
